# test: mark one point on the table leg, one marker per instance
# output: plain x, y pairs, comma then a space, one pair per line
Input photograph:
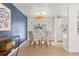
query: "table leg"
46, 43
50, 42
39, 42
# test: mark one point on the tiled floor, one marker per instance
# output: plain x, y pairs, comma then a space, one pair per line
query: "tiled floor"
54, 50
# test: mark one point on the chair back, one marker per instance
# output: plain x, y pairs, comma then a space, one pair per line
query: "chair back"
48, 35
31, 36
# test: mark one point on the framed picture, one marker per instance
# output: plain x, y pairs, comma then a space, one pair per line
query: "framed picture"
5, 19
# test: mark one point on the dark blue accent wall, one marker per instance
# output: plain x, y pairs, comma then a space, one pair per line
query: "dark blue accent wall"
18, 23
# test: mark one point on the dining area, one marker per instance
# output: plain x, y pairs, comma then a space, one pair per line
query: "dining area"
46, 32
40, 36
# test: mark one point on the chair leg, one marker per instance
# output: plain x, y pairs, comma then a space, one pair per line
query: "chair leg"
39, 42
30, 43
34, 44
50, 42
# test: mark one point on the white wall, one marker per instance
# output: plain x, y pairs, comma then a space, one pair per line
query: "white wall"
73, 36
57, 29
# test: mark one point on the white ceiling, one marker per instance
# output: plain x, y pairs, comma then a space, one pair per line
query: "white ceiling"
48, 9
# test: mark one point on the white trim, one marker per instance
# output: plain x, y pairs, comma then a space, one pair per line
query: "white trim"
17, 48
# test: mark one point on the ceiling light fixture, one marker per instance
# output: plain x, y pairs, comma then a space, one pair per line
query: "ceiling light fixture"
40, 17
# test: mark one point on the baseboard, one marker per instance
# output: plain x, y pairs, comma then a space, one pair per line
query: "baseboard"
17, 48
73, 51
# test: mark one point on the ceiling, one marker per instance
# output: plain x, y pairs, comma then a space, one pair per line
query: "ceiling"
48, 9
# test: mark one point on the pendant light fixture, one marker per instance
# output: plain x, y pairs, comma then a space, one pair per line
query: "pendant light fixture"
40, 17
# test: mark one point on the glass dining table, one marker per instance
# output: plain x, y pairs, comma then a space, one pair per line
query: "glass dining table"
39, 35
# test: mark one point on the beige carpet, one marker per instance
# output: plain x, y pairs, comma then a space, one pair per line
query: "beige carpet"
54, 50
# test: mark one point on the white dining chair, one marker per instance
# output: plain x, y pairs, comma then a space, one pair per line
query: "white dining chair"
32, 39
47, 38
